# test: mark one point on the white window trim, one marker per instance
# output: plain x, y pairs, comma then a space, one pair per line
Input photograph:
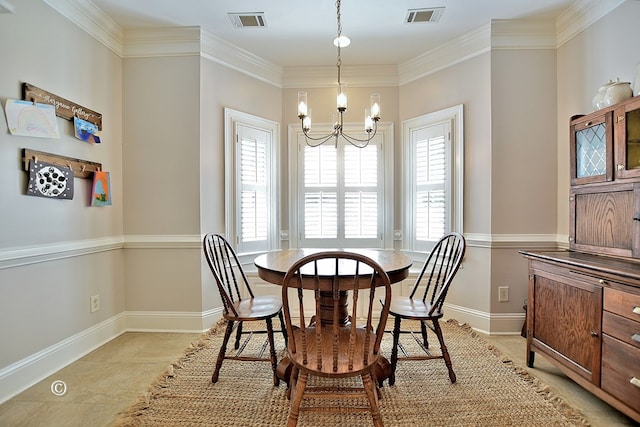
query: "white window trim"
386, 130
455, 116
232, 118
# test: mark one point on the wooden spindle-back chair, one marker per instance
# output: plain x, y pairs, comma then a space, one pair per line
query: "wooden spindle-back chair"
426, 301
334, 345
240, 304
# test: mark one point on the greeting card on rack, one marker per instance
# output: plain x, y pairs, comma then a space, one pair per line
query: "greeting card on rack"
101, 193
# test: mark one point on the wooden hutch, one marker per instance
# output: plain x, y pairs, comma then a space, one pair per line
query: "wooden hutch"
583, 310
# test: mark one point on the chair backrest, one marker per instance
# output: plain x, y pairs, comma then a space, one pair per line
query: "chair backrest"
227, 270
336, 280
439, 270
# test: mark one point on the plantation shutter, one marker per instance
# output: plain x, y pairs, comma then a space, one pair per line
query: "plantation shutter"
254, 154
341, 195
430, 183
361, 193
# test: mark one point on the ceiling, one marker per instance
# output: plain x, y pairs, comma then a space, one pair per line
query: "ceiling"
301, 33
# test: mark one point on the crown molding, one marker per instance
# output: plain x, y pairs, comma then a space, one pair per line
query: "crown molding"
460, 49
92, 20
325, 76
159, 42
221, 51
523, 34
580, 16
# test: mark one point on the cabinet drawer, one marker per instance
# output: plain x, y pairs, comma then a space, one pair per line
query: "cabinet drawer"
623, 303
621, 371
621, 328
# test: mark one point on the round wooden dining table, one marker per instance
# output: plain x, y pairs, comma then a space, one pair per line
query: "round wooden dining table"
273, 266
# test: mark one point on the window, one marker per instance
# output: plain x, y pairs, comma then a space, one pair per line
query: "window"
339, 191
433, 177
251, 181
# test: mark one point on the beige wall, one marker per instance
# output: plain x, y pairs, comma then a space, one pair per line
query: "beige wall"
467, 83
55, 254
223, 87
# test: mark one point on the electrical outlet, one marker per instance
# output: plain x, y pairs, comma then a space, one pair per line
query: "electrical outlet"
95, 303
503, 293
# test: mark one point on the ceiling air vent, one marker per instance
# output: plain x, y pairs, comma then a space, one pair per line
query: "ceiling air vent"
248, 20
432, 14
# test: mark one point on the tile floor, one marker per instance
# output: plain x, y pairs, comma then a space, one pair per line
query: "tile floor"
111, 378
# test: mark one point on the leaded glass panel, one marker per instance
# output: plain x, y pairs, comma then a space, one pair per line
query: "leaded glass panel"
591, 151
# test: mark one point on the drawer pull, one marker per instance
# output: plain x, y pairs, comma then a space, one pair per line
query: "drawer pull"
636, 310
635, 381
602, 281
635, 337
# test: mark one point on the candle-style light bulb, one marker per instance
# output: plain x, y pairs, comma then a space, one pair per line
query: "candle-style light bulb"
368, 121
306, 122
375, 106
302, 104
342, 97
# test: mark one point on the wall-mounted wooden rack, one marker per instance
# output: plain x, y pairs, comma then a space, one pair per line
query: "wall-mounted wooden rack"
81, 168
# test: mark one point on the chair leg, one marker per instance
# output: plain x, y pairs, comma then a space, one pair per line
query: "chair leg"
293, 380
425, 339
238, 336
283, 327
370, 389
223, 349
394, 350
296, 401
445, 352
272, 351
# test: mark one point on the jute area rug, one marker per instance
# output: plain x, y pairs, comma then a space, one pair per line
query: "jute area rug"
490, 391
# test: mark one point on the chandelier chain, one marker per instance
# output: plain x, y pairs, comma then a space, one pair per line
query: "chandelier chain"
338, 16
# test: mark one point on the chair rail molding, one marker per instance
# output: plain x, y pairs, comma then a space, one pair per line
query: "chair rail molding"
33, 254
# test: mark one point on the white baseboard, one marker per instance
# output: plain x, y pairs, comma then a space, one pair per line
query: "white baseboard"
27, 372
164, 321
487, 323
21, 375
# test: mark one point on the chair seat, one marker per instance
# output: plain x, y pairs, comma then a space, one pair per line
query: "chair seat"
327, 352
408, 308
256, 308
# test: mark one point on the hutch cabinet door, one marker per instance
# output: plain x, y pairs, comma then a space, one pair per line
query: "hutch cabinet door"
627, 139
566, 322
591, 148
605, 219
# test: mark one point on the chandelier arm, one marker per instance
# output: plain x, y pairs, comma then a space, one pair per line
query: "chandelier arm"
360, 143
322, 139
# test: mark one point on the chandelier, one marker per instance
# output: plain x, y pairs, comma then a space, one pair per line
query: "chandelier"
371, 115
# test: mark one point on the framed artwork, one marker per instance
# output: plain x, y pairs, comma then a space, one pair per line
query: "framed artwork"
49, 180
101, 190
